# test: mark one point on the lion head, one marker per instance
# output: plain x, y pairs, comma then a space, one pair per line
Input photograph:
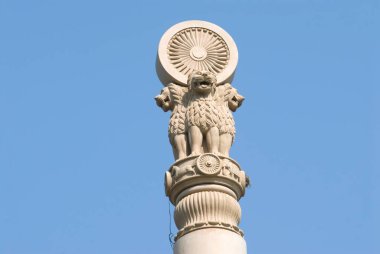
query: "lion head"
202, 82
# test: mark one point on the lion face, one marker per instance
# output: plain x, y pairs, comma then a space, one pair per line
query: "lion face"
202, 82
163, 99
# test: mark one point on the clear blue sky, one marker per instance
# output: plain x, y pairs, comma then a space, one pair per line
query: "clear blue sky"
83, 148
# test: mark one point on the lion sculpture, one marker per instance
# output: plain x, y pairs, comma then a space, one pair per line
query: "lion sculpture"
201, 120
202, 114
228, 100
172, 98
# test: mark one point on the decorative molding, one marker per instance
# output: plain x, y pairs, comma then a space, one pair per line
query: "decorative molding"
207, 209
186, 173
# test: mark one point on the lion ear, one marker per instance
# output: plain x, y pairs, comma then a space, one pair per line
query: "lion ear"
213, 89
189, 78
189, 86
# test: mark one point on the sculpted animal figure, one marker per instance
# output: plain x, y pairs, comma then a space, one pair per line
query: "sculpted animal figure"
172, 98
228, 100
202, 114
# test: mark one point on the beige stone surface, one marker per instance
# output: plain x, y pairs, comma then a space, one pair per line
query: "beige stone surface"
211, 241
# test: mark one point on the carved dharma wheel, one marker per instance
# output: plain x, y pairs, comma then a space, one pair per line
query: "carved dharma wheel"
208, 164
196, 45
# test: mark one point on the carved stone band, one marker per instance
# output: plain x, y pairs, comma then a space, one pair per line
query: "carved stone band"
204, 170
205, 187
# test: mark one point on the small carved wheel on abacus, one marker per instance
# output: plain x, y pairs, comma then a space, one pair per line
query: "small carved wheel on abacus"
209, 164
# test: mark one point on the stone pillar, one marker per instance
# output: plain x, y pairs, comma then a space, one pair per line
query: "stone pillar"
205, 191
196, 62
